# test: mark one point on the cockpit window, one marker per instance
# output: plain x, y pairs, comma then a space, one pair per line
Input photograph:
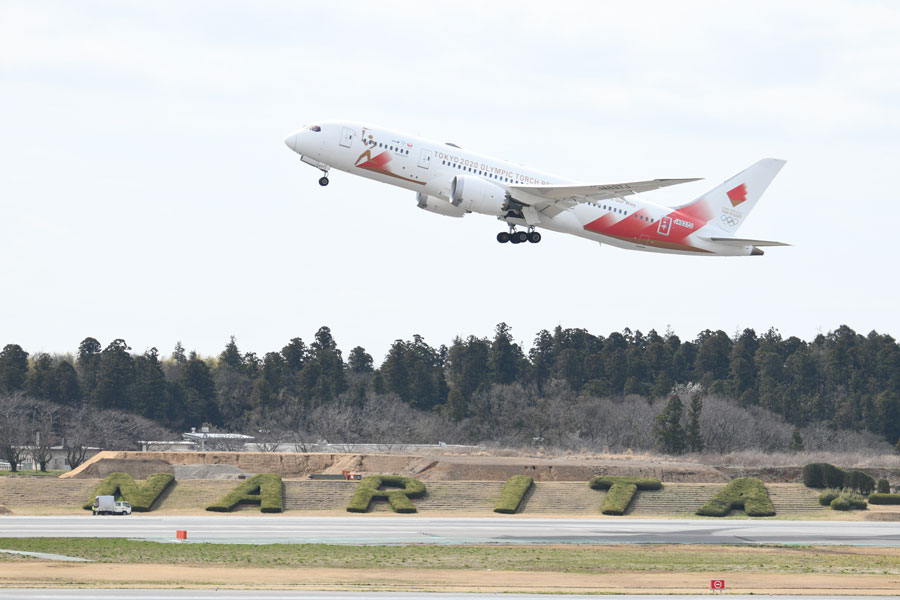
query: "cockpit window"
314, 128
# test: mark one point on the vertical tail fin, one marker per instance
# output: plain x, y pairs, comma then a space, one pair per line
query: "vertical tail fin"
726, 206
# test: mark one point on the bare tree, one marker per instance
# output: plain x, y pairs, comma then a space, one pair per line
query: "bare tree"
117, 430
13, 429
78, 431
43, 419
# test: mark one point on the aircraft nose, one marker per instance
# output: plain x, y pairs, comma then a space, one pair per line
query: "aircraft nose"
293, 142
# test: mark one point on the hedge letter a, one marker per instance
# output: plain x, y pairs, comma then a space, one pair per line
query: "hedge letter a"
264, 489
747, 493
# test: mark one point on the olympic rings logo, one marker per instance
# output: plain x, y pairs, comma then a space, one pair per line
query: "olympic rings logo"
730, 221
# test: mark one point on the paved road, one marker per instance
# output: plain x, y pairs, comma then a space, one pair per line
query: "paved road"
56, 594
262, 529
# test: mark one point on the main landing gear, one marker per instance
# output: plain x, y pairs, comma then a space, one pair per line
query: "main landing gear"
519, 237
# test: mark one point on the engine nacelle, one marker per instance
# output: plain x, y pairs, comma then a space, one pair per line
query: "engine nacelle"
438, 205
475, 194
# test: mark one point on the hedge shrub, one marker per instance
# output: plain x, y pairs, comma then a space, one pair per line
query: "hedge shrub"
747, 493
265, 489
857, 480
370, 489
513, 493
848, 500
842, 499
884, 498
122, 485
828, 495
840, 503
883, 486
857, 501
621, 491
824, 475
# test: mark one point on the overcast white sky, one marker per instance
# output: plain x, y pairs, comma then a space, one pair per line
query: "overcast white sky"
146, 192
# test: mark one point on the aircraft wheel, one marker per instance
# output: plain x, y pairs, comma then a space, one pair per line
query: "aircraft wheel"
520, 237
323, 181
502, 237
534, 237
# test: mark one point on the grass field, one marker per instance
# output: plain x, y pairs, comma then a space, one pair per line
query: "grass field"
562, 559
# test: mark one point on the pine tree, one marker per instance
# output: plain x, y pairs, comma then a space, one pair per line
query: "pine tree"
199, 393
694, 434
295, 355
40, 382
231, 356
149, 392
505, 356
360, 361
667, 429
13, 368
456, 405
115, 377
796, 441
662, 386
67, 384
178, 353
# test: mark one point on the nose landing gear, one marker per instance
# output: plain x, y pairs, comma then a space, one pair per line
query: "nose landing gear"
519, 237
323, 180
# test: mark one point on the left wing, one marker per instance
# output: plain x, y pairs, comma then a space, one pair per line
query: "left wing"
728, 241
553, 199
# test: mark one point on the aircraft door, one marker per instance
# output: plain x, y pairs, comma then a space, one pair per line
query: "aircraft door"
425, 159
347, 136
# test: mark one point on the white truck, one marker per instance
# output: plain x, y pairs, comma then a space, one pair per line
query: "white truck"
107, 505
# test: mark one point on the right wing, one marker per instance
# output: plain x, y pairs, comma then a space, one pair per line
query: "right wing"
553, 199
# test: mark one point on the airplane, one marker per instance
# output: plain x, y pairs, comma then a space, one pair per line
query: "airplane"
454, 182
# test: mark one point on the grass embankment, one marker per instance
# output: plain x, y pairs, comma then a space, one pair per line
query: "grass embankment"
7, 473
563, 559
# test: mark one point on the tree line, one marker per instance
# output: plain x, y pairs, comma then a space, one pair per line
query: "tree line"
841, 380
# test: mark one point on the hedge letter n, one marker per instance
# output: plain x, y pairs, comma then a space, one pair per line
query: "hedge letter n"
141, 498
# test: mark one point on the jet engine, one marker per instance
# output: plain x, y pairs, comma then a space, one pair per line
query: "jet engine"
475, 194
438, 205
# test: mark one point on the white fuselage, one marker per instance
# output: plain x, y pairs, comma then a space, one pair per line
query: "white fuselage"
429, 168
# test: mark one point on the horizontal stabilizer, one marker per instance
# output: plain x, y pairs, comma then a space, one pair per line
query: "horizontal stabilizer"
728, 241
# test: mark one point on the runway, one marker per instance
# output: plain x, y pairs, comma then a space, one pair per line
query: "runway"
137, 594
261, 529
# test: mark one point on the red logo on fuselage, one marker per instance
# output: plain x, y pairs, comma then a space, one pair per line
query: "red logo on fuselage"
738, 195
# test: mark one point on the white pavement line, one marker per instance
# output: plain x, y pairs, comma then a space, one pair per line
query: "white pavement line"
46, 556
